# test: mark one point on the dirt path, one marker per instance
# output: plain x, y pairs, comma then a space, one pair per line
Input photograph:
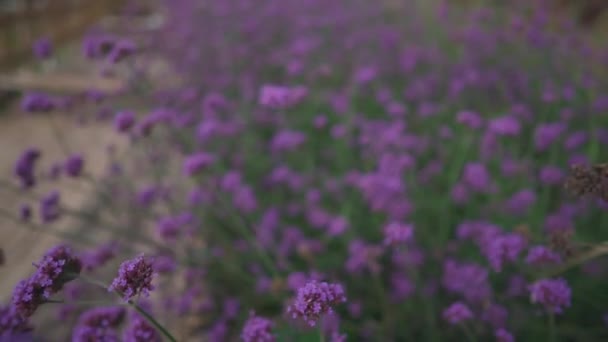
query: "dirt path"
18, 131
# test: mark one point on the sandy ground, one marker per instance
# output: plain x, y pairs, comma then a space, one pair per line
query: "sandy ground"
18, 130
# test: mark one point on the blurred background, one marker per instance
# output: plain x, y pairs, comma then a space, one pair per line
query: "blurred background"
40, 50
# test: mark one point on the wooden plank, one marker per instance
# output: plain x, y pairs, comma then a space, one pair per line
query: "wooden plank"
60, 20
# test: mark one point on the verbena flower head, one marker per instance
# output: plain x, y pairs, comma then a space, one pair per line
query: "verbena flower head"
34, 102
197, 162
316, 299
553, 294
278, 97
124, 121
258, 329
74, 165
504, 249
57, 267
43, 48
11, 323
134, 278
25, 167
99, 256
99, 324
398, 233
457, 313
50, 207
139, 330
503, 335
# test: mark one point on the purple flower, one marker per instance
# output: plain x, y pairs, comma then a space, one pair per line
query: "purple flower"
457, 313
503, 336
503, 249
469, 118
197, 162
25, 165
97, 46
43, 48
73, 165
25, 212
134, 277
365, 74
37, 103
505, 125
315, 300
551, 175
12, 323
280, 97
521, 201
124, 121
139, 330
50, 207
546, 134
287, 140
398, 233
99, 257
542, 256
258, 329
467, 279
476, 175
553, 294
57, 267
99, 324
121, 50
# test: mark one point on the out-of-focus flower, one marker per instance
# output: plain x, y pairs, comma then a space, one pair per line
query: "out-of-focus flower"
457, 313
553, 294
258, 329
43, 48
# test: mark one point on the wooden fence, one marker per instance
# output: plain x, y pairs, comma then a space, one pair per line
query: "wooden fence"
24, 21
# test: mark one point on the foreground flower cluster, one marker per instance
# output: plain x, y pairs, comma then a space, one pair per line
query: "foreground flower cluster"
344, 172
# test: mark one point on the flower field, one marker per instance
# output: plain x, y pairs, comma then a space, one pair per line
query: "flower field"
331, 171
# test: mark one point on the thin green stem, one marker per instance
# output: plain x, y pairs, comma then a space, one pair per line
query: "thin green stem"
552, 330
468, 333
134, 305
153, 321
321, 335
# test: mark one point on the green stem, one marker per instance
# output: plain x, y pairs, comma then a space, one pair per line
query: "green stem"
153, 321
468, 333
321, 335
552, 330
134, 305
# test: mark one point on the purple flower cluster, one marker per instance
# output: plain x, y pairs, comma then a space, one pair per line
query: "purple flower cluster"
134, 278
99, 324
25, 167
258, 329
57, 267
417, 161
316, 299
553, 294
140, 330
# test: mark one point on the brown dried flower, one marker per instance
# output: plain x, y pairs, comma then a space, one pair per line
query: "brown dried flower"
588, 180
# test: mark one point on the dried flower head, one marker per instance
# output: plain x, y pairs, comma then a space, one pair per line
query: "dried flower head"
588, 180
